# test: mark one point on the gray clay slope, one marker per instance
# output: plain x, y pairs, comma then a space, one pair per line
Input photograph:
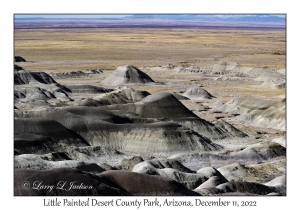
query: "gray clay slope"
125, 75
130, 142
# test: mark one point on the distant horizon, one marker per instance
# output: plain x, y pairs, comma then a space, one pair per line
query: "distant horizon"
55, 16
276, 18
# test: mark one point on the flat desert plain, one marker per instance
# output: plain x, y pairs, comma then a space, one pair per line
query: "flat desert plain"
150, 111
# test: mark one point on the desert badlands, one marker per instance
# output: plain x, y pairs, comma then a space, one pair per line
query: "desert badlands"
200, 122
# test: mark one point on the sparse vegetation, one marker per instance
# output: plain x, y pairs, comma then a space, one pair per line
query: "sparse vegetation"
62, 50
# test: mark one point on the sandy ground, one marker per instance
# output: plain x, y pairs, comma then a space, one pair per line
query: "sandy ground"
80, 49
